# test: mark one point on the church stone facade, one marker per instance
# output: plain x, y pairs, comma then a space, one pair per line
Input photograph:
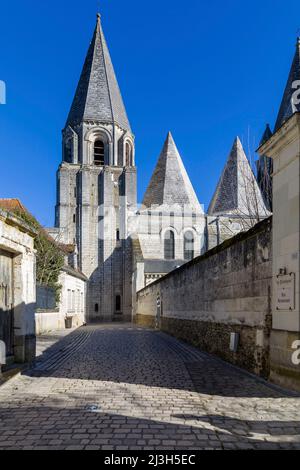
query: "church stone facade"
120, 246
170, 225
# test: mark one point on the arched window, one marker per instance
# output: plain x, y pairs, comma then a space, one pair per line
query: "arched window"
128, 152
169, 245
99, 153
189, 246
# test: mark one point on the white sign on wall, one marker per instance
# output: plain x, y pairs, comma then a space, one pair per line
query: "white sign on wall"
285, 297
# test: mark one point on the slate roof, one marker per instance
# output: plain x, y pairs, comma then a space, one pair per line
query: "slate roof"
264, 171
170, 184
288, 105
98, 95
264, 164
266, 135
74, 272
237, 191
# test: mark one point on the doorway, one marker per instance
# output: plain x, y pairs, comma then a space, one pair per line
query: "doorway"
6, 302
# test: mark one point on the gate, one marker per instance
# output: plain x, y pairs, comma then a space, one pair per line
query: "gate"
6, 301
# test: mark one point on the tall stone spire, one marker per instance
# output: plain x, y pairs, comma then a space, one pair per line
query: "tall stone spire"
98, 176
98, 97
291, 97
170, 184
237, 191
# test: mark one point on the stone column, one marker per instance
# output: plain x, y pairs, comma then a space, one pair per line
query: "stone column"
284, 148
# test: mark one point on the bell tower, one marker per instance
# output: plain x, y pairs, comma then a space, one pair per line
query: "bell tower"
96, 185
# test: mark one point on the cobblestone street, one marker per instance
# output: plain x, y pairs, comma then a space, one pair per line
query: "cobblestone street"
117, 387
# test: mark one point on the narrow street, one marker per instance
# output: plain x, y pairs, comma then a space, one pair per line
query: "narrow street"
118, 387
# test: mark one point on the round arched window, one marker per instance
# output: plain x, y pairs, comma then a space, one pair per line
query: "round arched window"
188, 246
169, 247
99, 153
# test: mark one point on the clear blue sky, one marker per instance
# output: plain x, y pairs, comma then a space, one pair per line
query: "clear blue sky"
207, 70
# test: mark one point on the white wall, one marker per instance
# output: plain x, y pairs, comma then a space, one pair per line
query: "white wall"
73, 296
72, 303
151, 231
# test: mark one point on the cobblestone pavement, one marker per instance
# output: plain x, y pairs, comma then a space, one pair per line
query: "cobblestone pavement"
117, 387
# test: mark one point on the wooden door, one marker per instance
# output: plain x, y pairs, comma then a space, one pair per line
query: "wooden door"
6, 301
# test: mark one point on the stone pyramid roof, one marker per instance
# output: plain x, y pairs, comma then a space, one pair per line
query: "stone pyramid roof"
98, 96
170, 184
237, 191
289, 104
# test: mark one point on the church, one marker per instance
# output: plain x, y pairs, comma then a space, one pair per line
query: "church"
118, 245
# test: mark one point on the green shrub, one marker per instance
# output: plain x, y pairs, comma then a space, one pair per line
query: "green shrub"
49, 256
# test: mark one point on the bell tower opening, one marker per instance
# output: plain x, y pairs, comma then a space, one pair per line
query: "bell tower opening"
99, 153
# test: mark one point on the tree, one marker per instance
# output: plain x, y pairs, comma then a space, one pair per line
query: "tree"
49, 255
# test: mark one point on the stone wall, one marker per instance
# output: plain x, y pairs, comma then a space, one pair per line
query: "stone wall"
227, 290
47, 321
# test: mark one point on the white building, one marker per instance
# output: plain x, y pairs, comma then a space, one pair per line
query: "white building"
51, 316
